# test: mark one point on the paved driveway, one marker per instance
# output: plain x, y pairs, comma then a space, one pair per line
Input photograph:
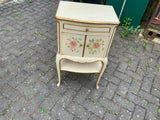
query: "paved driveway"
129, 88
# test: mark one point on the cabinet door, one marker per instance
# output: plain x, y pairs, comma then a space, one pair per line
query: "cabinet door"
71, 44
96, 46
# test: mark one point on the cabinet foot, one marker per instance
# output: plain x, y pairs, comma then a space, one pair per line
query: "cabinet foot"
58, 84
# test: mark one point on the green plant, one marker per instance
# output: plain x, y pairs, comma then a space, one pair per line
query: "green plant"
6, 29
44, 110
30, 1
128, 29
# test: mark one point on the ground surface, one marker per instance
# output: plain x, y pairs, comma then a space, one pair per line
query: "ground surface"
129, 88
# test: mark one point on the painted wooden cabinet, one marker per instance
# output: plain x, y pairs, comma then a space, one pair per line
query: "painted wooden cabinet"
84, 39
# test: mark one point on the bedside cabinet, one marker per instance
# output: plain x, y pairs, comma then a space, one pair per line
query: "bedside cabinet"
84, 36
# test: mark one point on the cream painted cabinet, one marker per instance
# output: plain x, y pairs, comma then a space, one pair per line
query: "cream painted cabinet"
85, 33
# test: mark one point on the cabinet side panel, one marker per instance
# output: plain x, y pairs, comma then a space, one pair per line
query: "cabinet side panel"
58, 36
110, 41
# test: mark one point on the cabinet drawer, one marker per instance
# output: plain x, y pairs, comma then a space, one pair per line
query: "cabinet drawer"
85, 28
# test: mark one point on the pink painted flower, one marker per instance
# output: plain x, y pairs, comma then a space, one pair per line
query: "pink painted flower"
72, 50
72, 37
96, 45
73, 43
89, 40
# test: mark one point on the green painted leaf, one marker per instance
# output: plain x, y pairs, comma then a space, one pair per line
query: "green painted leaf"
103, 49
158, 110
102, 41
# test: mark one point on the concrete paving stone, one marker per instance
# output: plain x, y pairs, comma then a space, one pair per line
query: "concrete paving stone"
110, 91
156, 83
94, 107
48, 76
124, 103
151, 112
147, 84
94, 117
58, 112
52, 86
112, 79
139, 113
78, 111
124, 115
96, 94
3, 117
134, 75
16, 106
82, 95
50, 101
42, 116
149, 97
123, 88
155, 92
110, 116
10, 92
109, 105
135, 86
32, 105
21, 116
66, 98
137, 100
33, 78
123, 77
111, 67
34, 58
4, 103
122, 67
42, 67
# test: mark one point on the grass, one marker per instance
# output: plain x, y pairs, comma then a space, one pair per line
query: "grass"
96, 103
6, 29
44, 111
17, 18
37, 33
134, 48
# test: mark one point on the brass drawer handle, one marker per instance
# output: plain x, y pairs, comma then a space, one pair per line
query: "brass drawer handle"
80, 45
87, 46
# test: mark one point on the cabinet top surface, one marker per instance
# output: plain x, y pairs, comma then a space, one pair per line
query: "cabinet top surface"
86, 13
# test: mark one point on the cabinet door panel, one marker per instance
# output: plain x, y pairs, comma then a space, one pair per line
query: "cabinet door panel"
72, 44
96, 46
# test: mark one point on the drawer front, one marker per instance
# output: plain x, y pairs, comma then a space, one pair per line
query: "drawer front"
71, 44
85, 28
96, 46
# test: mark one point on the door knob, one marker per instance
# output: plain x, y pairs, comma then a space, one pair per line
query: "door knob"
86, 30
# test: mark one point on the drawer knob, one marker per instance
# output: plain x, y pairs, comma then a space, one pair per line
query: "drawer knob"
86, 30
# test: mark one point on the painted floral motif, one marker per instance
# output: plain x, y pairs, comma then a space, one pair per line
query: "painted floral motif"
73, 44
95, 46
